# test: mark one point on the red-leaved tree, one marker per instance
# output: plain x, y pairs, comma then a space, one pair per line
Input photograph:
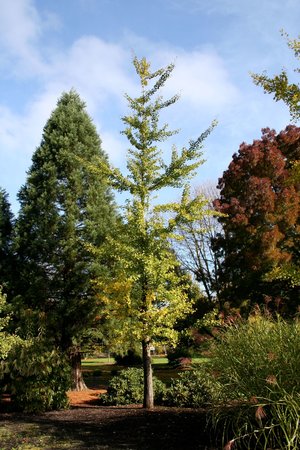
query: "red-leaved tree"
262, 225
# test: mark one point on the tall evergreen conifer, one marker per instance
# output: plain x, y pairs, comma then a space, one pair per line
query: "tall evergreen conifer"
6, 233
64, 207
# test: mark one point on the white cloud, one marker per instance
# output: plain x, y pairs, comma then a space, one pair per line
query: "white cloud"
200, 75
114, 146
20, 134
96, 68
202, 79
6, 128
101, 72
20, 24
20, 29
229, 7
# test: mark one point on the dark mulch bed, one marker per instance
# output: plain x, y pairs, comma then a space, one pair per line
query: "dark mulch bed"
131, 427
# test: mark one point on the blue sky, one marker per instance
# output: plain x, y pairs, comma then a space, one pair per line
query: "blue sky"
51, 46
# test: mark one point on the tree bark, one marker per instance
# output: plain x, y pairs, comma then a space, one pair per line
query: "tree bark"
148, 380
78, 383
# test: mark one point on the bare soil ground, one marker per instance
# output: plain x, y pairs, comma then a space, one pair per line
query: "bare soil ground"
86, 425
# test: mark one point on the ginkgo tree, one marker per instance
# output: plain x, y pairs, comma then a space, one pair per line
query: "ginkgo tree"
280, 85
146, 296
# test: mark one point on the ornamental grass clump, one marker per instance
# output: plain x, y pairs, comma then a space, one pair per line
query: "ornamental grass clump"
258, 366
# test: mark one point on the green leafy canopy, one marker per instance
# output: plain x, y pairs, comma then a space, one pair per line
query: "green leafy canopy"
147, 289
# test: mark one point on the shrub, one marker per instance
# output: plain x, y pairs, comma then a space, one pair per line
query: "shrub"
38, 377
130, 359
128, 387
176, 353
7, 341
193, 388
184, 362
258, 366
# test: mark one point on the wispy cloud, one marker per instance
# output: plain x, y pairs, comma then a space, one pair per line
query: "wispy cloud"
100, 70
97, 68
201, 78
230, 7
21, 28
200, 75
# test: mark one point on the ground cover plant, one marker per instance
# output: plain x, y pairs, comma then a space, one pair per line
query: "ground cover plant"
90, 426
25, 435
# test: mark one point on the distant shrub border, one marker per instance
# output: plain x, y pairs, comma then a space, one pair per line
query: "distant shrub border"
192, 389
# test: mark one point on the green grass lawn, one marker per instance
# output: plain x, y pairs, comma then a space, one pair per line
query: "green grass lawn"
98, 371
97, 363
24, 435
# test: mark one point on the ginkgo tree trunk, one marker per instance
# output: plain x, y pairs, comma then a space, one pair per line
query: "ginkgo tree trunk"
146, 296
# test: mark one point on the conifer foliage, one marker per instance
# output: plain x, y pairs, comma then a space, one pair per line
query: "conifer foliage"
149, 296
6, 234
64, 208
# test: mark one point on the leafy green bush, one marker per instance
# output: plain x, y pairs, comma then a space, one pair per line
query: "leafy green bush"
131, 358
7, 341
180, 357
38, 377
193, 388
258, 366
128, 387
178, 352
